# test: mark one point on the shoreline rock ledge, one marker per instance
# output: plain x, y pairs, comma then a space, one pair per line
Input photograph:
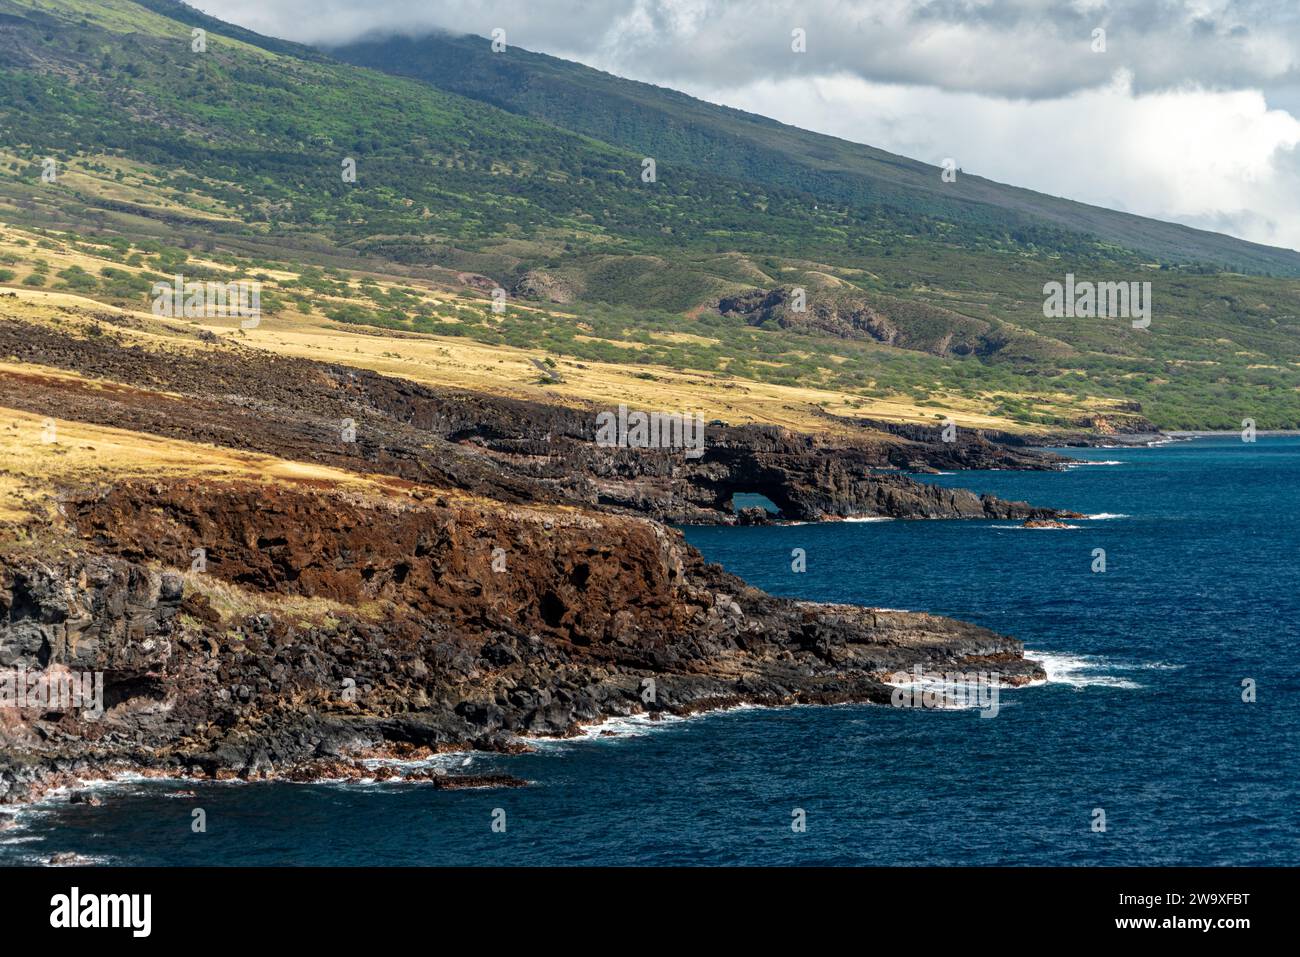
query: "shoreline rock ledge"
329, 624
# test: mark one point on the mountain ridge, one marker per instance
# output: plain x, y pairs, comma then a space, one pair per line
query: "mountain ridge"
226, 163
542, 86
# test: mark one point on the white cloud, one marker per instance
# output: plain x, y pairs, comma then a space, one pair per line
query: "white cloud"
1216, 159
1015, 48
1179, 119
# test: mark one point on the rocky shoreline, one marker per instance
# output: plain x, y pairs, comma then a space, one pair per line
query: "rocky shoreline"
329, 624
511, 450
497, 575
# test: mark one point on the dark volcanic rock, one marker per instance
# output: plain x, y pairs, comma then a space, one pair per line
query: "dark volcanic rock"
510, 450
503, 575
427, 642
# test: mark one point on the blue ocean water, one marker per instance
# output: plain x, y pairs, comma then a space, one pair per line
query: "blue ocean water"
1143, 717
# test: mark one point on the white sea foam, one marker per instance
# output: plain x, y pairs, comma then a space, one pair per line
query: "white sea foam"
1105, 516
938, 684
869, 518
55, 796
1083, 671
1082, 463
82, 860
1037, 528
631, 726
444, 759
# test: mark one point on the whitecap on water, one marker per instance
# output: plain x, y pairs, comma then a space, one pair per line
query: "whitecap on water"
1084, 671
951, 698
632, 726
1038, 528
444, 759
627, 726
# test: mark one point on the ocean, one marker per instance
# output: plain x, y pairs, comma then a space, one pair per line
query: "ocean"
1142, 718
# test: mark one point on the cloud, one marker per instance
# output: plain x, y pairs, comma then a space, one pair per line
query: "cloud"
1183, 117
1220, 160
1010, 48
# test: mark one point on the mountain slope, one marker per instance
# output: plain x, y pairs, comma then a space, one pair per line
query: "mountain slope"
227, 164
677, 128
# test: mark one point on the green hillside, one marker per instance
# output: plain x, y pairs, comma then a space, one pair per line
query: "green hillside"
680, 129
171, 158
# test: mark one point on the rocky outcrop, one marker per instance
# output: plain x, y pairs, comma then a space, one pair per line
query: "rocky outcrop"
810, 480
110, 616
900, 323
327, 625
920, 446
537, 284
510, 450
502, 576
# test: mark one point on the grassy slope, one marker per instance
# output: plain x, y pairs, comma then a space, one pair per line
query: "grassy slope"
632, 373
228, 161
680, 129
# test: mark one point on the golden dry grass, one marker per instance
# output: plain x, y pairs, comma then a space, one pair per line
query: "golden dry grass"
506, 370
39, 454
458, 362
137, 185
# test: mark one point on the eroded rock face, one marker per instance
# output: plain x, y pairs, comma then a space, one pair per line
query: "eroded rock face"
507, 577
329, 624
509, 450
110, 616
853, 315
539, 284
452, 562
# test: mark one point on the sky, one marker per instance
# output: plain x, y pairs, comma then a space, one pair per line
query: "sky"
1184, 110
